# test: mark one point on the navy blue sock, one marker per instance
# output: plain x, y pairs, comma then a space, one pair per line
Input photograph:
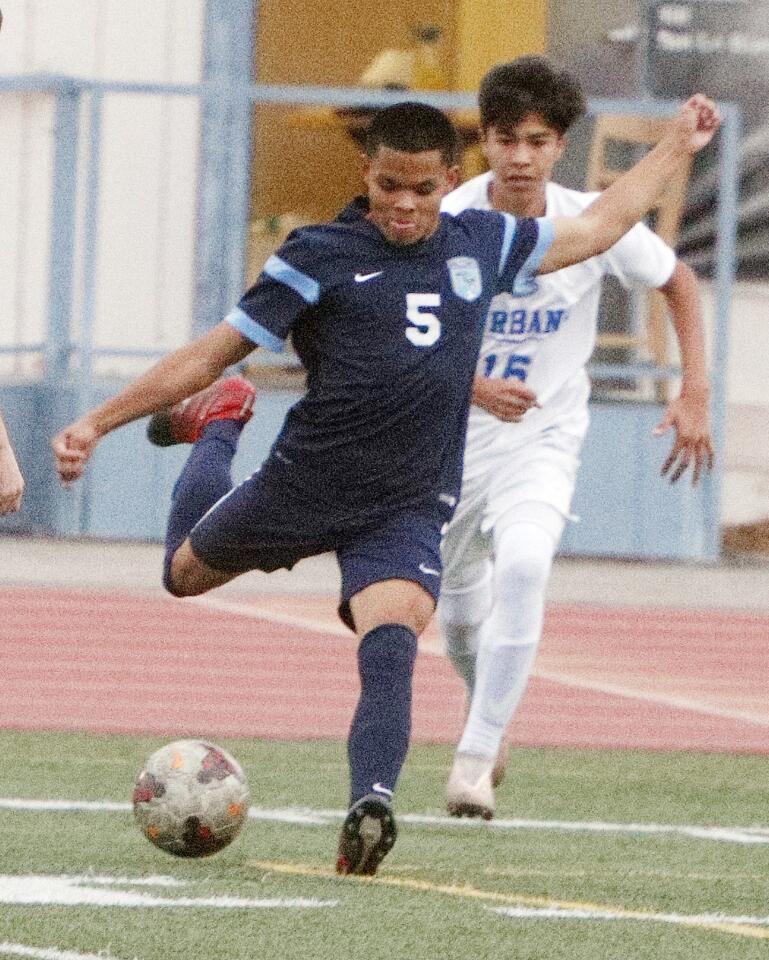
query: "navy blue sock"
204, 480
381, 727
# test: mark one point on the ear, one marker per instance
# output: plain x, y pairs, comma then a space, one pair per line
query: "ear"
452, 176
561, 145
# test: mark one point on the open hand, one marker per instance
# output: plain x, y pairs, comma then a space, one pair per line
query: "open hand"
692, 446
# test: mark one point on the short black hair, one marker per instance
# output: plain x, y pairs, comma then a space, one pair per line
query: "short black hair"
509, 91
412, 128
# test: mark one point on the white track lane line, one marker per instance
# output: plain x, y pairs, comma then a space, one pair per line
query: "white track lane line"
651, 696
584, 683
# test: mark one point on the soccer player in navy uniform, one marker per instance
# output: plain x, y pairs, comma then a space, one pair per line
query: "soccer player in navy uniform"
385, 307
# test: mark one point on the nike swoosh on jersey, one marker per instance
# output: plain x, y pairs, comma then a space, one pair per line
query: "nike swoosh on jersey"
429, 570
363, 277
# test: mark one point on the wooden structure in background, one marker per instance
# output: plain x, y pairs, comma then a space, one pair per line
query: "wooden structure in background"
642, 132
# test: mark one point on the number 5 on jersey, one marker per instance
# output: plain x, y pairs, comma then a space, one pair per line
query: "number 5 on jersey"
425, 326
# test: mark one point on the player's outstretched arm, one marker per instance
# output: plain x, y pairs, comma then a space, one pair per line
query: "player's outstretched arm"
179, 375
11, 480
633, 194
689, 414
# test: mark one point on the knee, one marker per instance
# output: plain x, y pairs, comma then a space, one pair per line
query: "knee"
524, 557
181, 574
177, 587
392, 601
415, 615
524, 574
169, 582
178, 590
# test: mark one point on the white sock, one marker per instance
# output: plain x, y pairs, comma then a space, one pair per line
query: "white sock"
462, 642
510, 635
461, 612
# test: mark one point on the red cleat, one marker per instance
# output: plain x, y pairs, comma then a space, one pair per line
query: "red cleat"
230, 399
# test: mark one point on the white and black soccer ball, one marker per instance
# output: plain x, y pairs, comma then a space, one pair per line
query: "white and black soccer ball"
191, 798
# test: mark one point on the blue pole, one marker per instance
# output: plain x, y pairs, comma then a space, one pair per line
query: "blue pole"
726, 265
90, 268
225, 159
62, 239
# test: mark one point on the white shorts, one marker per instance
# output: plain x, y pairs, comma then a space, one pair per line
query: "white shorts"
542, 470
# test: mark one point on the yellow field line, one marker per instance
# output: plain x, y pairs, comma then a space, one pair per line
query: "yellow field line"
470, 892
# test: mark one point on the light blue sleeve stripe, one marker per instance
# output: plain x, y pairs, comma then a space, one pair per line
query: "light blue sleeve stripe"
510, 224
283, 272
254, 331
544, 242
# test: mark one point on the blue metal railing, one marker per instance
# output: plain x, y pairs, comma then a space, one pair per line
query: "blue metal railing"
229, 233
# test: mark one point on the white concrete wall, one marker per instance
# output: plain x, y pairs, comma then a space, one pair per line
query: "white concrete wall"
25, 173
745, 457
144, 278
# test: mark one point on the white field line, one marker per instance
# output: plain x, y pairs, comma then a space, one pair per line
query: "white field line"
580, 913
49, 953
87, 891
66, 806
305, 817
566, 680
713, 921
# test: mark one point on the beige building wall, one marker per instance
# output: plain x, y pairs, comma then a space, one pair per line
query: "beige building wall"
504, 30
312, 170
144, 282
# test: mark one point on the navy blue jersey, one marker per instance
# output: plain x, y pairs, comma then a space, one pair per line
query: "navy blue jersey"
389, 336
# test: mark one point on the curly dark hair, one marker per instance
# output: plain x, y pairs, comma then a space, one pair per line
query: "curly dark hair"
530, 85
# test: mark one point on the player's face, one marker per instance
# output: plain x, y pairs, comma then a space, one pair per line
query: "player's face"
405, 192
521, 157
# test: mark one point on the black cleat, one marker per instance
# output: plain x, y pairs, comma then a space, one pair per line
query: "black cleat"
368, 835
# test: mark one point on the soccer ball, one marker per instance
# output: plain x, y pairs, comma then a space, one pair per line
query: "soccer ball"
191, 798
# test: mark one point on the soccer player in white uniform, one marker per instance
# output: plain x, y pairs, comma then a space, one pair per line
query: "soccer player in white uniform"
530, 414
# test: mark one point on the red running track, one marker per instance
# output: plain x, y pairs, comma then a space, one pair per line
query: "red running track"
128, 663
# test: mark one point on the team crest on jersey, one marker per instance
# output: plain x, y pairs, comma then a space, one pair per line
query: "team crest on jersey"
465, 274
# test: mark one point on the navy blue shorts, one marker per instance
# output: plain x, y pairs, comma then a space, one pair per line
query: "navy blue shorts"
265, 524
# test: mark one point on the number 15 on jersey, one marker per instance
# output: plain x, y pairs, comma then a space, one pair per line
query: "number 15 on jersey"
515, 365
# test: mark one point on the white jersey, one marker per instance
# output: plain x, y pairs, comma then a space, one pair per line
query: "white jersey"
546, 332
